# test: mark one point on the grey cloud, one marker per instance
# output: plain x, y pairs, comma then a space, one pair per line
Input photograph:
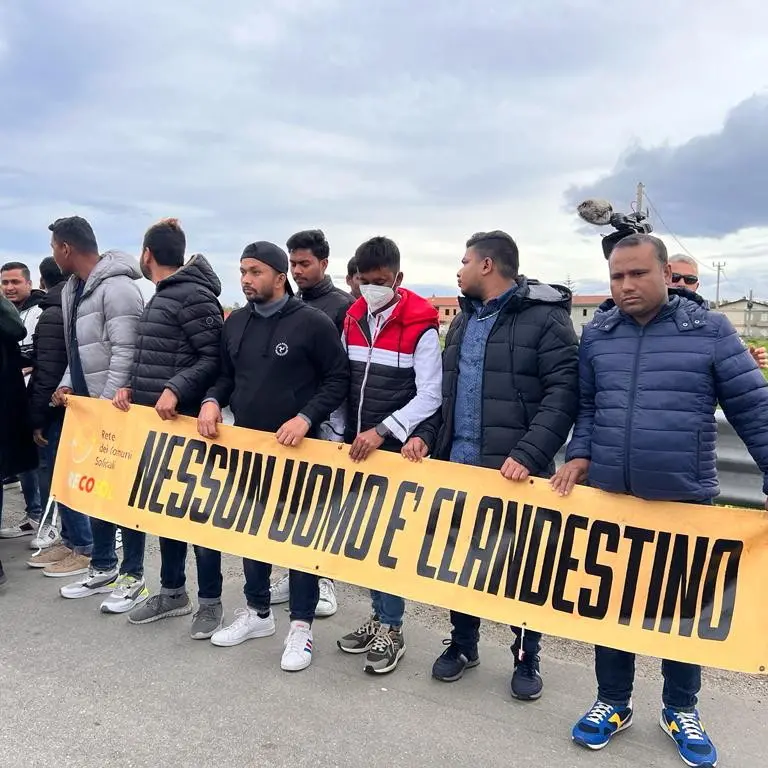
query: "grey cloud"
710, 186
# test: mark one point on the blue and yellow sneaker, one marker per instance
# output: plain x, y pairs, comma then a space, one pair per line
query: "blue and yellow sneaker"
603, 721
693, 743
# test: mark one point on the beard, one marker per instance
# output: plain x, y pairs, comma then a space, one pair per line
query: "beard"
144, 269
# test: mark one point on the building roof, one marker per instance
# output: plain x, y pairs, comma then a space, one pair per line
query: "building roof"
742, 300
444, 301
588, 301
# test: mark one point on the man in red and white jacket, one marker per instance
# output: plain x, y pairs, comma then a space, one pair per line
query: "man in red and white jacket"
391, 337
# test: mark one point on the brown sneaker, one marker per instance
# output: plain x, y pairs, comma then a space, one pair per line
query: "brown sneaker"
73, 565
49, 556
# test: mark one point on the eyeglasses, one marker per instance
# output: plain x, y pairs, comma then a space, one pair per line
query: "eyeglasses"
687, 279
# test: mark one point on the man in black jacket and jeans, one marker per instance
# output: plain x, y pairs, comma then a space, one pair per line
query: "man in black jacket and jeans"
176, 361
283, 370
510, 397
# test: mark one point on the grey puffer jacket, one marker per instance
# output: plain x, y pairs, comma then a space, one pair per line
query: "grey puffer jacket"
107, 323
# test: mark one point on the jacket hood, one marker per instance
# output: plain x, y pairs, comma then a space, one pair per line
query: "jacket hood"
686, 312
34, 298
684, 293
529, 292
197, 270
410, 310
53, 297
324, 287
112, 264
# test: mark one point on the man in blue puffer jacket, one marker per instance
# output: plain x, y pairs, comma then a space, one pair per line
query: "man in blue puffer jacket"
652, 370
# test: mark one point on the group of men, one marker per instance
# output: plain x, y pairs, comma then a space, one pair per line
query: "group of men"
367, 369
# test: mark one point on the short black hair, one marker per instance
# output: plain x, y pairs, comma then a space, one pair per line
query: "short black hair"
352, 267
76, 232
500, 248
632, 241
310, 240
166, 242
377, 253
50, 272
17, 265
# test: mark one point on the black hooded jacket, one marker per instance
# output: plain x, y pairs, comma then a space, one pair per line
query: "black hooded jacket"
530, 381
329, 299
274, 368
49, 358
178, 340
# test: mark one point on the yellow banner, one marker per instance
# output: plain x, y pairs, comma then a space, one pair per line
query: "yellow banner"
676, 581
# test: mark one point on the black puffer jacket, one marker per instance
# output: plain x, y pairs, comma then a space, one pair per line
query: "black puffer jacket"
530, 381
330, 300
49, 358
178, 342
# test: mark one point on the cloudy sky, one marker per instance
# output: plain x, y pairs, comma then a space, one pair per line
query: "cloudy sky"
424, 121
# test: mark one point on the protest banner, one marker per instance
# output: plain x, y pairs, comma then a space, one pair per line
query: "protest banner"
677, 581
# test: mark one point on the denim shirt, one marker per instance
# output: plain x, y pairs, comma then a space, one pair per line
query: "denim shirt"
466, 447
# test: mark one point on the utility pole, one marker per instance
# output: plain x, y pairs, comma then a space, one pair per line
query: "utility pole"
750, 304
640, 195
718, 265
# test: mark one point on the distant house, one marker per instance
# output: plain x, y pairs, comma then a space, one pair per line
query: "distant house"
750, 321
583, 310
447, 308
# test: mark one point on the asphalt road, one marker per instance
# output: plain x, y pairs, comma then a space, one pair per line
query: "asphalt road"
82, 689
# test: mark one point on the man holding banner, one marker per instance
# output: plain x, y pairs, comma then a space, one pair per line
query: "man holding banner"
510, 396
283, 370
652, 370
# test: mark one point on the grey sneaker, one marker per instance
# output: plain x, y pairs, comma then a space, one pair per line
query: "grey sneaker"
207, 621
362, 638
386, 650
161, 606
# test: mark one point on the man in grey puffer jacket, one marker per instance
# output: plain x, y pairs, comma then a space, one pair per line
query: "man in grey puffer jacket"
101, 304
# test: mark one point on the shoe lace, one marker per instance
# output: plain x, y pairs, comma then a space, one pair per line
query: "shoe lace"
690, 725
125, 582
452, 651
527, 667
296, 640
325, 589
242, 616
154, 601
371, 627
383, 641
599, 712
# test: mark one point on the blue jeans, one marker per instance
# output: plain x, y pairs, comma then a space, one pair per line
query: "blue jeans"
173, 560
104, 556
304, 590
75, 526
30, 487
388, 608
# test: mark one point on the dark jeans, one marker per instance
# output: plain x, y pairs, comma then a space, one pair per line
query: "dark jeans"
173, 561
303, 587
30, 487
75, 526
466, 634
104, 556
615, 671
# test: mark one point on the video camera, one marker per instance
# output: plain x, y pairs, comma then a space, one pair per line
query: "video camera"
601, 214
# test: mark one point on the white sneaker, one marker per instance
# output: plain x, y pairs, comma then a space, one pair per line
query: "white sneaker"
298, 647
95, 583
47, 537
279, 592
326, 605
26, 527
128, 592
247, 625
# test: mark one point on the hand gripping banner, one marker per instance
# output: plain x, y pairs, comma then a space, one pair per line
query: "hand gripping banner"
676, 581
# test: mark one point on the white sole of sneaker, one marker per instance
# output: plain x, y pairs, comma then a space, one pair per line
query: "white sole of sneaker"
47, 545
368, 669
70, 574
18, 535
279, 601
598, 747
185, 611
206, 635
666, 730
253, 635
126, 606
105, 590
286, 668
34, 564
324, 613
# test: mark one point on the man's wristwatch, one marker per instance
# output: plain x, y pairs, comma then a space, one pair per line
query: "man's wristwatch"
382, 430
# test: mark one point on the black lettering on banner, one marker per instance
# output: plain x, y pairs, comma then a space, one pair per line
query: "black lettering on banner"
174, 508
397, 522
683, 583
639, 538
164, 473
145, 472
733, 550
516, 563
256, 499
379, 484
423, 568
503, 549
226, 521
276, 533
217, 455
482, 552
612, 534
567, 563
554, 522
445, 573
657, 580
333, 529
302, 537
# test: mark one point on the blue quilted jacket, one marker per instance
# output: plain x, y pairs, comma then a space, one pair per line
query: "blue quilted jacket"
648, 396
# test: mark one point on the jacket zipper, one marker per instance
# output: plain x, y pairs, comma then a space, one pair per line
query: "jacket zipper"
367, 368
630, 410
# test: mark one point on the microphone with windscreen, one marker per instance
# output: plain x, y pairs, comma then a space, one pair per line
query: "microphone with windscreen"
600, 213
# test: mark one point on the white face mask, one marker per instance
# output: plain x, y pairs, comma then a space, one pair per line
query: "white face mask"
377, 296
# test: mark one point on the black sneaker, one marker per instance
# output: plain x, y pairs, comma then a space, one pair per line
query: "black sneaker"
362, 638
526, 681
450, 665
386, 650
